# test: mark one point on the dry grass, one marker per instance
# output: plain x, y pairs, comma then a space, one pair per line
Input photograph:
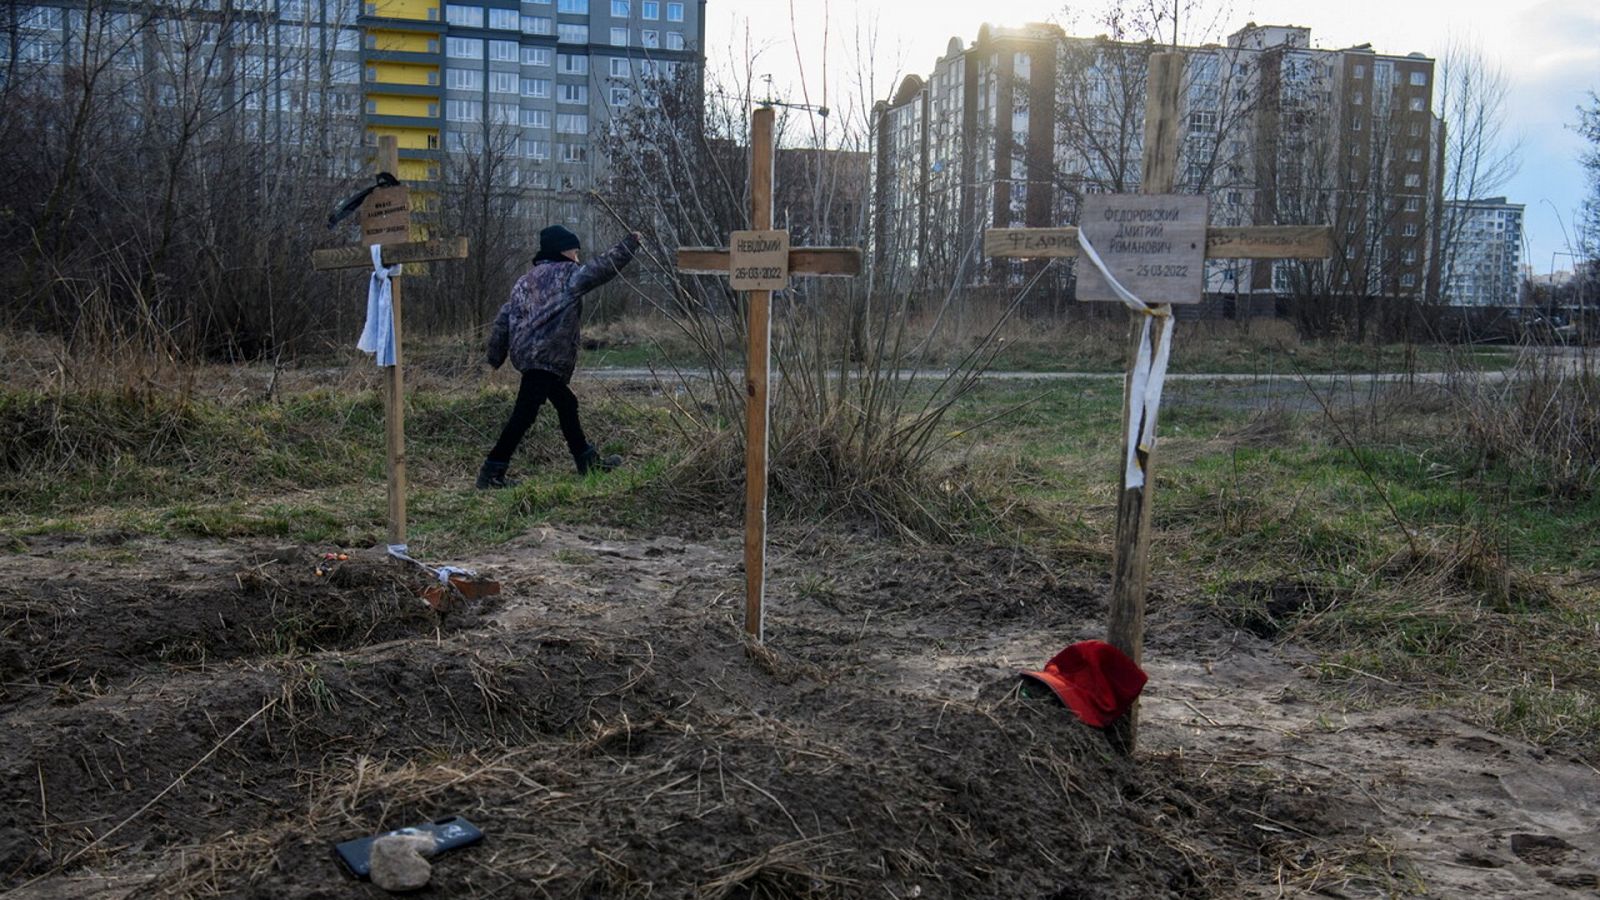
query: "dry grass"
1545, 418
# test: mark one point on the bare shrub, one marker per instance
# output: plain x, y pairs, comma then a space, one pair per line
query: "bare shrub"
1543, 417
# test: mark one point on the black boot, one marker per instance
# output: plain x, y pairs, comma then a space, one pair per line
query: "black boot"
591, 460
493, 475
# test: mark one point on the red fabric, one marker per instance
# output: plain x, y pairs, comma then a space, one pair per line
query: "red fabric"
1095, 680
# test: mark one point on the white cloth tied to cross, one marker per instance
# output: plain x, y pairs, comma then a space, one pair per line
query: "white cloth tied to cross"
377, 336
1148, 376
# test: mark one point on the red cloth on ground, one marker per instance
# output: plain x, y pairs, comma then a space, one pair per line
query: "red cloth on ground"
1095, 680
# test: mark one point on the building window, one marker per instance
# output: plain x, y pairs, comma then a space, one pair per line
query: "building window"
1350, 227
503, 82
573, 93
1410, 229
503, 51
536, 149
537, 24
463, 79
536, 56
1414, 154
1355, 123
1414, 129
573, 6
619, 9
674, 12
1413, 204
1235, 197
503, 19
463, 110
1408, 257
619, 96
572, 123
619, 37
1419, 79
572, 34
535, 118
1408, 280
1356, 99
651, 9
574, 153
1413, 180
572, 64
1418, 104
620, 67
466, 16
674, 40
1202, 122
463, 48
536, 87
1358, 72
650, 40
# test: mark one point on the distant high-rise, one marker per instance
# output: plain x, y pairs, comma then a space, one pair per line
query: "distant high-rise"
1017, 127
1483, 252
533, 81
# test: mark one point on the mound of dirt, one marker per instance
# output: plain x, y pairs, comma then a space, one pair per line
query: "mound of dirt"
72, 631
617, 751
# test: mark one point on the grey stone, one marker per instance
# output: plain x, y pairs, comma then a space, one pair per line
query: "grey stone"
398, 864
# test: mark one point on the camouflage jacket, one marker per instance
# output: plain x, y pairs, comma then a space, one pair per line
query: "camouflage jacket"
538, 326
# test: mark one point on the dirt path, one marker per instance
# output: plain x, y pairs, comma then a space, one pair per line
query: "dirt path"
606, 726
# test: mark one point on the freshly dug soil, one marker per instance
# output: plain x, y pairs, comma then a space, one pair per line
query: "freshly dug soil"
209, 719
627, 745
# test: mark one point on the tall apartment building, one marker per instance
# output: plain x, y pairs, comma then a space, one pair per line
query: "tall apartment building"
1483, 252
1016, 128
534, 82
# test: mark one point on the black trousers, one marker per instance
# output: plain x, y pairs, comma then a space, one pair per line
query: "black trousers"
537, 387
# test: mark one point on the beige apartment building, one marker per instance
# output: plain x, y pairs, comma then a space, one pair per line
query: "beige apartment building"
1014, 129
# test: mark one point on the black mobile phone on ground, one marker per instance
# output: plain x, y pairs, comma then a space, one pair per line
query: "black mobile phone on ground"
448, 834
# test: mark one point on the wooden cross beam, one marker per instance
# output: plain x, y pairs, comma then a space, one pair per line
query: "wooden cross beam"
1130, 574
757, 262
388, 160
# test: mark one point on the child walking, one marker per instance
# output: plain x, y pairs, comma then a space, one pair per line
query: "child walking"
538, 328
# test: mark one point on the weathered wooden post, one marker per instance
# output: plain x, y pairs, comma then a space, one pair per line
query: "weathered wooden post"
1155, 244
386, 223
759, 262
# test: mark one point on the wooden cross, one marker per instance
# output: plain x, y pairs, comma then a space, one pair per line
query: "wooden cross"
388, 160
1130, 574
758, 261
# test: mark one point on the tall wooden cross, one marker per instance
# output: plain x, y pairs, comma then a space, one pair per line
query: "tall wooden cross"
1156, 246
757, 262
388, 160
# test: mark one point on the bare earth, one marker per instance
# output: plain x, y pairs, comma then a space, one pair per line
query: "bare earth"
608, 729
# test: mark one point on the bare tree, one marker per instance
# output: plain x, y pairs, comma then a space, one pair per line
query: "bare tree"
1479, 157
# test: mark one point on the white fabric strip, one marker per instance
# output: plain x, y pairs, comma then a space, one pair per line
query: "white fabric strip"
377, 336
1148, 377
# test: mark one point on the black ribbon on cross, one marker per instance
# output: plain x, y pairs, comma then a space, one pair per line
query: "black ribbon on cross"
347, 208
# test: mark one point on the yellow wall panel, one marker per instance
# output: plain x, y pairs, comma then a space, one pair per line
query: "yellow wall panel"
419, 170
401, 73
402, 41
417, 10
409, 138
392, 105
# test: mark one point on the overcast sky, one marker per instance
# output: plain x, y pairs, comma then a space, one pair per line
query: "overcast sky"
1548, 49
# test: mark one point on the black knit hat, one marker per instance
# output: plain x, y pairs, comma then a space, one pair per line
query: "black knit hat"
557, 239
